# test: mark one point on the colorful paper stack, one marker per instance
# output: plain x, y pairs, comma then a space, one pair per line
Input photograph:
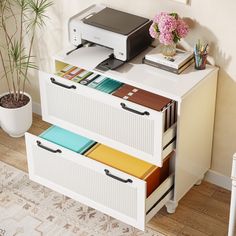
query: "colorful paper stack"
82, 75
97, 81
65, 70
89, 79
73, 73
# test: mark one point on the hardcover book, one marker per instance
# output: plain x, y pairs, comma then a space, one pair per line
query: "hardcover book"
168, 68
176, 62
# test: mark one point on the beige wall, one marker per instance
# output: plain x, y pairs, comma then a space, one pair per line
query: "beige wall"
2, 83
212, 20
3, 86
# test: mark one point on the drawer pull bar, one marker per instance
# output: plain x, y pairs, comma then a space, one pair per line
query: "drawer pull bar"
63, 85
47, 148
134, 111
117, 178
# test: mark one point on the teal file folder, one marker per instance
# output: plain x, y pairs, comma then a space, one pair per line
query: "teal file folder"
109, 85
67, 139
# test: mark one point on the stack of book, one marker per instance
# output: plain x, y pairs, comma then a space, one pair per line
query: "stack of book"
176, 64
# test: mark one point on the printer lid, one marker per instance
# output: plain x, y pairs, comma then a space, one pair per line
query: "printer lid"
115, 21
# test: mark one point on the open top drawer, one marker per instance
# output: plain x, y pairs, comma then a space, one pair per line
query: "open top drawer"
95, 184
123, 125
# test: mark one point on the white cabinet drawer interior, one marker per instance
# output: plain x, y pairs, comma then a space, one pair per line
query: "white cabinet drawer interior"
113, 192
126, 126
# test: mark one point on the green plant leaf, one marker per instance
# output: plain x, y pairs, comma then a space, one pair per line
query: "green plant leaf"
25, 16
156, 28
176, 38
175, 15
38, 9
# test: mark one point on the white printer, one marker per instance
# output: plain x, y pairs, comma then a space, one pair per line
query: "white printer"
125, 33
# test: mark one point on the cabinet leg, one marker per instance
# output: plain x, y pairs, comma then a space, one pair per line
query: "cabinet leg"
199, 181
171, 206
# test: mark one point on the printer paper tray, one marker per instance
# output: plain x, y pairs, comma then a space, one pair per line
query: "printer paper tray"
86, 57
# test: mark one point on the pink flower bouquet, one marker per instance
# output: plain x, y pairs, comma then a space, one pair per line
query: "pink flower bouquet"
169, 28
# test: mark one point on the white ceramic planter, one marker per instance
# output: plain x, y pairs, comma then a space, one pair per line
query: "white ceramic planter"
16, 121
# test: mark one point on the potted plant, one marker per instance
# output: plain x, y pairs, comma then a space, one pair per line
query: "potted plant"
169, 28
19, 20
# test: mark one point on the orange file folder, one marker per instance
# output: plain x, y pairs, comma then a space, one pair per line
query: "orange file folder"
152, 174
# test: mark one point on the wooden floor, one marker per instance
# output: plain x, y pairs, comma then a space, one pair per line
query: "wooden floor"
203, 211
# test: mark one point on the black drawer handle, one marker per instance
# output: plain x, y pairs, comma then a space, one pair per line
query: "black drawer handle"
47, 148
63, 85
134, 111
117, 178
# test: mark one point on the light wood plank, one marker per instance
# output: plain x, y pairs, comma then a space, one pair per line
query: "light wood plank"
15, 159
207, 206
18, 144
3, 149
206, 188
37, 121
198, 221
36, 130
222, 195
188, 231
164, 224
46, 126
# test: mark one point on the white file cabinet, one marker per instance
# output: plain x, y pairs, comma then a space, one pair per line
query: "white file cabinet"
111, 121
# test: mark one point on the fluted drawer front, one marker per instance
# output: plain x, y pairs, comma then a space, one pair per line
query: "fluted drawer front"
103, 118
87, 181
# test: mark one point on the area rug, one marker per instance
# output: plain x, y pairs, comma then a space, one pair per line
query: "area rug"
30, 209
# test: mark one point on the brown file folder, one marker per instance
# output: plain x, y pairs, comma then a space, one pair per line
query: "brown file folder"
142, 97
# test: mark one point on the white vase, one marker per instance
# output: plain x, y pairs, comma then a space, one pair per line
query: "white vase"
16, 121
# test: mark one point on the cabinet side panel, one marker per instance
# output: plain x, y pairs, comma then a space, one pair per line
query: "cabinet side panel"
194, 135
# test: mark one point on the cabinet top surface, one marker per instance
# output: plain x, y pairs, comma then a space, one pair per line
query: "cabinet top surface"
138, 74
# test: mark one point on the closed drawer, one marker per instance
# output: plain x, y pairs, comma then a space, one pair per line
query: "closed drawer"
123, 125
113, 192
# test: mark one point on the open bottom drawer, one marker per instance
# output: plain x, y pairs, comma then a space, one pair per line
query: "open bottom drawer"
102, 187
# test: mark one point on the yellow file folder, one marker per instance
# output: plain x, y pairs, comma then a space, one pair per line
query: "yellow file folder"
152, 174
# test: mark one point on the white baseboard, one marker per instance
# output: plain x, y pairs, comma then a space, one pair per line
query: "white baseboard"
217, 178
37, 108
